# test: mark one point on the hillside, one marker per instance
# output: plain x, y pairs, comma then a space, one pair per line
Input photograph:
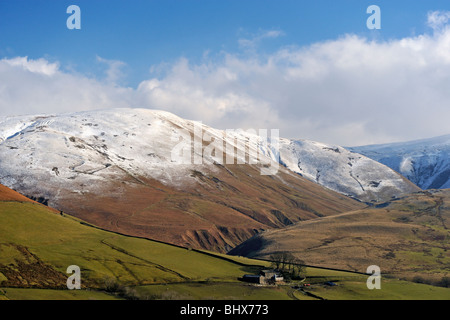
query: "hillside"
408, 237
37, 245
114, 169
6, 194
424, 162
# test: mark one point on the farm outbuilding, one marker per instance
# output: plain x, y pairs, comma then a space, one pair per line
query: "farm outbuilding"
253, 278
264, 277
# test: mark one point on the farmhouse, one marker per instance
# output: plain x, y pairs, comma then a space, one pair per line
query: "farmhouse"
264, 277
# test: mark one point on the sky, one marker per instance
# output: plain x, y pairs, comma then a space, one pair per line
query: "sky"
312, 69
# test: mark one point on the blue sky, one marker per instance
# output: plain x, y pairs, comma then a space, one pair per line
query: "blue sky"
311, 68
143, 33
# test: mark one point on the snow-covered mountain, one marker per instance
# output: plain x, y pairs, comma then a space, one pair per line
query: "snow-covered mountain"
425, 162
43, 153
144, 173
88, 147
138, 172
343, 171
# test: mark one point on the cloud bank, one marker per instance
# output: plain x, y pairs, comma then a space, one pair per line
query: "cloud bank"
348, 91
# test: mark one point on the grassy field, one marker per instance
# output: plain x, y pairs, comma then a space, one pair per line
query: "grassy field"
390, 290
212, 291
53, 294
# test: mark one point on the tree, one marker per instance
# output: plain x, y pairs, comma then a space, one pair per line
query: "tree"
445, 282
288, 264
276, 260
299, 269
287, 260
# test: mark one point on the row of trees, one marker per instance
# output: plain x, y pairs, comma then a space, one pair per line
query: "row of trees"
288, 265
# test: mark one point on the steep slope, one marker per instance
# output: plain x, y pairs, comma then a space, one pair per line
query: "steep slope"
6, 194
115, 169
424, 162
37, 245
407, 237
343, 171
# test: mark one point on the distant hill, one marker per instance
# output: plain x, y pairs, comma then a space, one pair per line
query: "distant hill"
425, 162
344, 171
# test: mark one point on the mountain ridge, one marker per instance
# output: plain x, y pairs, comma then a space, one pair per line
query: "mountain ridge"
308, 158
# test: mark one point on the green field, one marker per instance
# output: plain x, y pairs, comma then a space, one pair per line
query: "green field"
30, 234
213, 291
37, 245
390, 290
52, 294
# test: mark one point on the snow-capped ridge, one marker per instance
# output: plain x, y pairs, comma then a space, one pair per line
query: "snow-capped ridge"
343, 171
85, 148
425, 162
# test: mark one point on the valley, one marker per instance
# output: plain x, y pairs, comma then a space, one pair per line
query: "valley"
38, 243
406, 238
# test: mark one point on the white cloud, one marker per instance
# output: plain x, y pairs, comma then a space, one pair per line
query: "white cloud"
255, 40
30, 86
114, 71
438, 20
346, 91
39, 66
208, 93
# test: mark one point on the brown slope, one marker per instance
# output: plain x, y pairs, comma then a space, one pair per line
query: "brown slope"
407, 237
7, 194
219, 210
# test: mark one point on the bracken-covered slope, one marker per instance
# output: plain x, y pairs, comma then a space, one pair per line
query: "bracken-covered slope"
6, 194
408, 237
424, 162
115, 169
